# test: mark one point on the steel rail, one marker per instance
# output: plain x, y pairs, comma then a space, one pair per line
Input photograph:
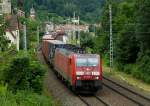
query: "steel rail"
148, 99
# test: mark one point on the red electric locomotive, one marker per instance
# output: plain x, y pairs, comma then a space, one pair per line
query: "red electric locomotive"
83, 72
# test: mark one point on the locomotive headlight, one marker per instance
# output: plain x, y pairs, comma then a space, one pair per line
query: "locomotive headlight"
96, 73
97, 78
78, 78
79, 73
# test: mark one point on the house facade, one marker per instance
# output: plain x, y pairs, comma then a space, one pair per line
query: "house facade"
5, 6
12, 31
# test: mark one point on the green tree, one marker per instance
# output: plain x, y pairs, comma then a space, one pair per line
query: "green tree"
143, 26
142, 34
86, 40
126, 45
24, 74
88, 10
3, 40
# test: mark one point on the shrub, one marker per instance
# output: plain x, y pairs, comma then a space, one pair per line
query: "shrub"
119, 66
24, 74
17, 74
3, 89
24, 98
128, 68
106, 60
36, 76
143, 68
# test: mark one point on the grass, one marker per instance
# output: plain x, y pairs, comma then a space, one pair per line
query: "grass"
24, 98
127, 78
48, 94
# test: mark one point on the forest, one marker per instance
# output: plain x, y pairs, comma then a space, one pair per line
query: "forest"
131, 36
88, 10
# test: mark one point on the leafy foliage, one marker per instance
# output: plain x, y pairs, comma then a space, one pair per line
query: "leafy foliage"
3, 41
86, 40
142, 71
131, 36
23, 98
23, 75
88, 10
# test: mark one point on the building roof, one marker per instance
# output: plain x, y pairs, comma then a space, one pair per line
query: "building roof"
56, 42
13, 22
47, 37
72, 27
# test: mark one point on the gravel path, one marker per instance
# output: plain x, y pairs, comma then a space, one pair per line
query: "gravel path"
113, 98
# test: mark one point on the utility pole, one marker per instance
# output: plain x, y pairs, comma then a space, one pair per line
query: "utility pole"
74, 18
79, 30
25, 36
38, 39
94, 29
111, 39
18, 39
1, 25
18, 36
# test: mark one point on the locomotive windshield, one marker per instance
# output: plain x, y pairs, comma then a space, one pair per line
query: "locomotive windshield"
81, 62
92, 62
87, 62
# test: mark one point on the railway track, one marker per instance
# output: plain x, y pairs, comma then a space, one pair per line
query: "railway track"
123, 91
126, 92
101, 101
93, 101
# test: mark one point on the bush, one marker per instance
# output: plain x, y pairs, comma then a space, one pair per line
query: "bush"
37, 73
106, 60
17, 74
24, 98
128, 68
119, 66
143, 68
24, 74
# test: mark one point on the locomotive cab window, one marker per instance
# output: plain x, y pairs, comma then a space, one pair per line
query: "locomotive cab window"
87, 62
81, 62
92, 61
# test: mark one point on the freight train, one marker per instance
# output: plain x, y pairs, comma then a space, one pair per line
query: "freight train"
81, 71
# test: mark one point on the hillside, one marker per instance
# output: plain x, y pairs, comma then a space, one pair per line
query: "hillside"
88, 10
